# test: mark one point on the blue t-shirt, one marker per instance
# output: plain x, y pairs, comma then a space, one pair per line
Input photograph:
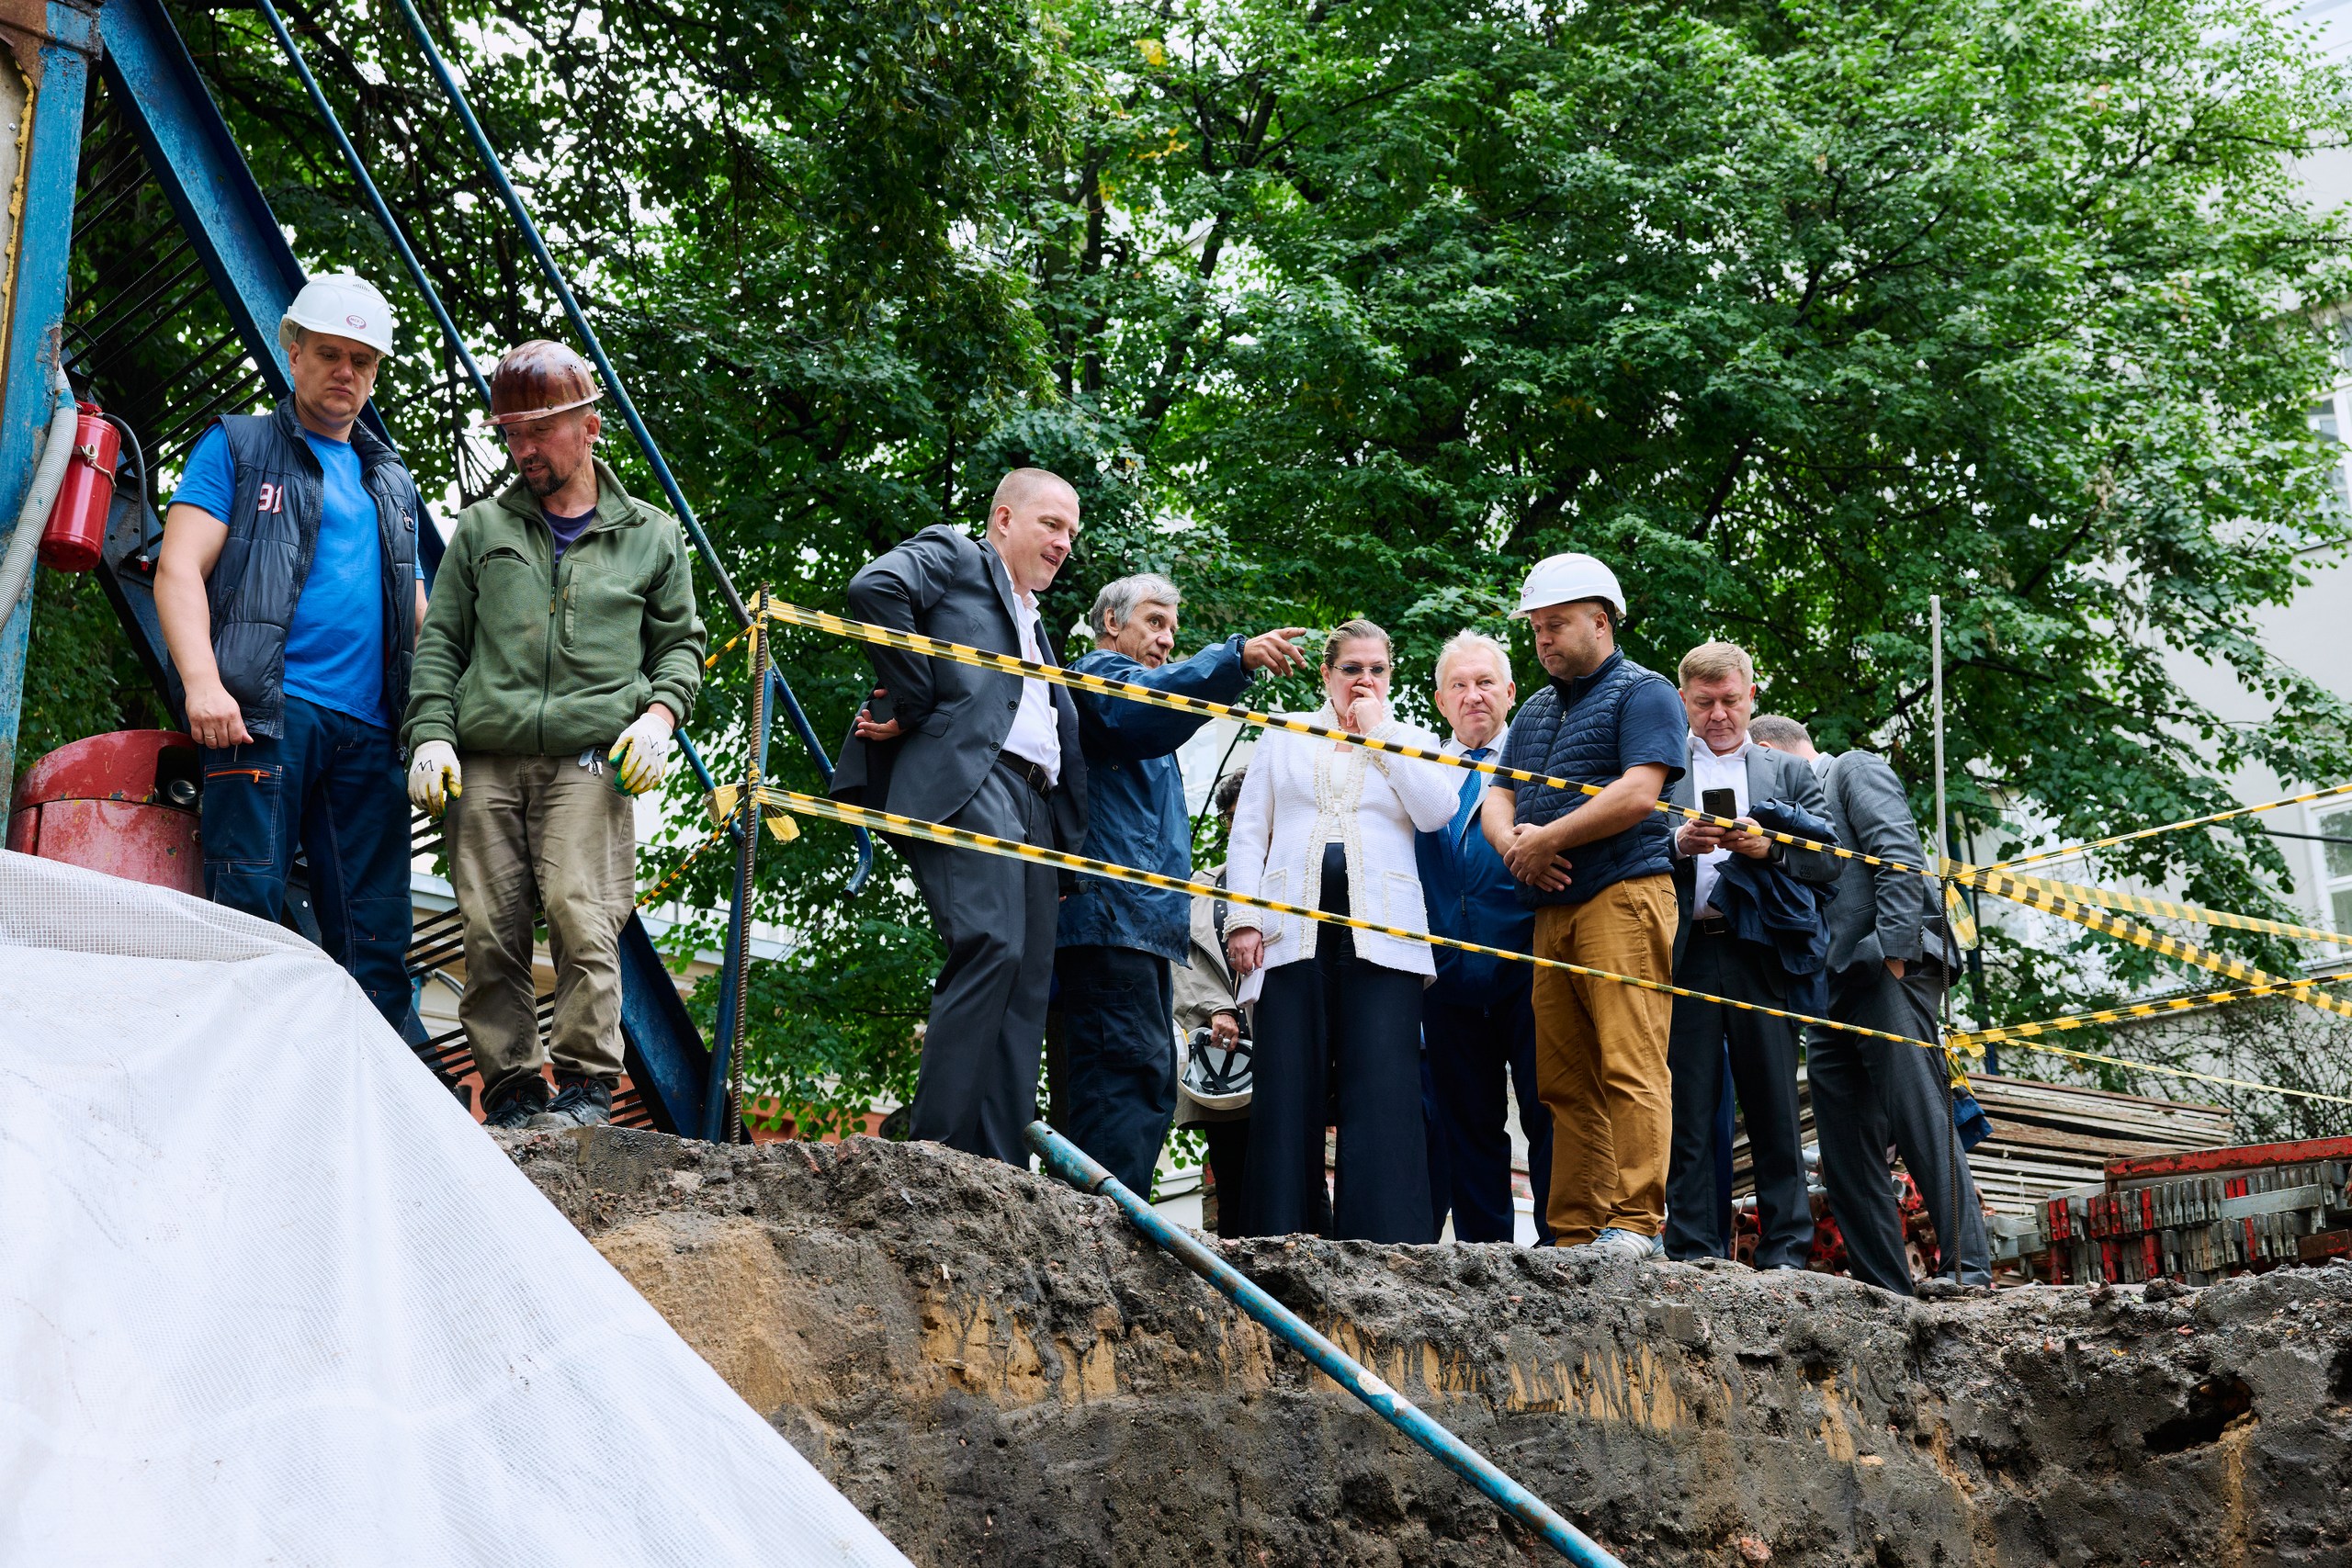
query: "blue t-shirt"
335, 650
567, 529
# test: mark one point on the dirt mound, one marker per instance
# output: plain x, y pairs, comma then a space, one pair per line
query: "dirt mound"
998, 1369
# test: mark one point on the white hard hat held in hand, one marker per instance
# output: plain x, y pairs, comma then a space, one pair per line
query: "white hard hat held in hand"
1565, 580
343, 304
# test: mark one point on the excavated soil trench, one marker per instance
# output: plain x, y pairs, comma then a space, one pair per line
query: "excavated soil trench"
999, 1370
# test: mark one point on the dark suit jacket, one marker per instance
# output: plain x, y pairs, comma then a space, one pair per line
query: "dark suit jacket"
1772, 775
945, 584
1878, 914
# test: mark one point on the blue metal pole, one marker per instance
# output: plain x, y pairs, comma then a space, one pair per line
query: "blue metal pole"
555, 277
376, 202
1074, 1166
727, 1039
782, 690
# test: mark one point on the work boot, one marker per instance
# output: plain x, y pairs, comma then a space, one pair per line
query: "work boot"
579, 1102
514, 1105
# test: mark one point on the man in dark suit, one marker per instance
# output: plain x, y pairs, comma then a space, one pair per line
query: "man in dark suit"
1889, 963
1718, 685
990, 752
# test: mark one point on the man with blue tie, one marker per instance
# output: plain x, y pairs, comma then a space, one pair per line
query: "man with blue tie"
1477, 1026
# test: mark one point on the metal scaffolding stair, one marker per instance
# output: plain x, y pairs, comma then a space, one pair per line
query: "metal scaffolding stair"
181, 275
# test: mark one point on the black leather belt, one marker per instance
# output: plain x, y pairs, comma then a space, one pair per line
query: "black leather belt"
1031, 773
1710, 925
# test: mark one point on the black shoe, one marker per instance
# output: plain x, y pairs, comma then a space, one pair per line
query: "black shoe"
513, 1107
581, 1102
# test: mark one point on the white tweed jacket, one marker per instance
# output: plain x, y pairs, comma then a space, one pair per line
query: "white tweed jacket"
1302, 794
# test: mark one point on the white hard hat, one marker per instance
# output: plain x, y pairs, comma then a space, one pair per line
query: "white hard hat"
345, 304
1215, 1077
1564, 580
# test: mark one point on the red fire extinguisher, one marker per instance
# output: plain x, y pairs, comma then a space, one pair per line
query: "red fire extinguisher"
77, 524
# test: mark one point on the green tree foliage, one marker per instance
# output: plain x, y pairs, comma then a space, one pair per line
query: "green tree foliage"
1796, 313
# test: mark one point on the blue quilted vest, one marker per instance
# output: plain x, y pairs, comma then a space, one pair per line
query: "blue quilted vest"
1575, 733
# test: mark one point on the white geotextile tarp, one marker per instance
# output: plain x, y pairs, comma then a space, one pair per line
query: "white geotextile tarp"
268, 1296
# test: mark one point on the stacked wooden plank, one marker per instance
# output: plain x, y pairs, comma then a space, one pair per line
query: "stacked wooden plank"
2048, 1137
2052, 1137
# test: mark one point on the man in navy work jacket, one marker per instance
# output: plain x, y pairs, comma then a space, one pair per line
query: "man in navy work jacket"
1115, 940
290, 593
1596, 870
984, 750
1477, 1023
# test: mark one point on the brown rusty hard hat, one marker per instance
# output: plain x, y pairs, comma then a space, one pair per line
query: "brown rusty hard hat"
538, 378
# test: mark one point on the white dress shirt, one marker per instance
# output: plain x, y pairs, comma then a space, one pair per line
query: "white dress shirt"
1708, 771
1036, 734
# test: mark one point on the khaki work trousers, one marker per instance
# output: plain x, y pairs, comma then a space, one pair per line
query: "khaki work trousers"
527, 834
1600, 1058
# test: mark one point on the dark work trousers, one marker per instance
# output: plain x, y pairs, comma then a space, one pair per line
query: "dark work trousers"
977, 1088
1336, 1017
1764, 1071
331, 784
1229, 1168
1870, 1094
1474, 1056
1119, 1043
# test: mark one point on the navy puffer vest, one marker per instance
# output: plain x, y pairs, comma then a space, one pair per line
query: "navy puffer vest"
1578, 740
272, 535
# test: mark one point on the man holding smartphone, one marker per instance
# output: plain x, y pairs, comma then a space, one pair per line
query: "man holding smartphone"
1728, 775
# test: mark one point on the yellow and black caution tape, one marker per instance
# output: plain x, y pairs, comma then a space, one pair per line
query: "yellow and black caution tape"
788, 801
2001, 884
1975, 1039
1006, 663
2005, 885
2066, 852
653, 895
915, 827
1960, 919
2140, 904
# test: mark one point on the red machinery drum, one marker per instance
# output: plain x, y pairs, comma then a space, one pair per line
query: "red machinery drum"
124, 804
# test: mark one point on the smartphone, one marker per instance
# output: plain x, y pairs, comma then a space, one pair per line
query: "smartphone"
1719, 803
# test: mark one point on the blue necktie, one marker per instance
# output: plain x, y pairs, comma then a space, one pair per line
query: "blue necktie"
1473, 788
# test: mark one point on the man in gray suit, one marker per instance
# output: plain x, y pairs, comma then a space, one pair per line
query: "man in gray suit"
1889, 963
1718, 684
987, 750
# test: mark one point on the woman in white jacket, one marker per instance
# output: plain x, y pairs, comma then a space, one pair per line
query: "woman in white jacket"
1330, 827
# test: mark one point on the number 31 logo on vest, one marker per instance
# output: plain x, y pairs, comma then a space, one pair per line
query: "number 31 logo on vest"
271, 499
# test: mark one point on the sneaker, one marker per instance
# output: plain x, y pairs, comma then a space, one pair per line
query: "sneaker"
581, 1102
515, 1106
1616, 1245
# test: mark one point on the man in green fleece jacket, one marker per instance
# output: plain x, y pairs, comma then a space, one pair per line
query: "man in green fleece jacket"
562, 643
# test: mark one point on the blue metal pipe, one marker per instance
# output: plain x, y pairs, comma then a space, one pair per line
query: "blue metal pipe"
554, 275
782, 690
1074, 1166
731, 977
375, 200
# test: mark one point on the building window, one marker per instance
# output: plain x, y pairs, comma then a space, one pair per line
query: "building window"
2336, 865
2328, 422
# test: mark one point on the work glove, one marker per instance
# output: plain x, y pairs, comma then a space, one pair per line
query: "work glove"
641, 756
433, 777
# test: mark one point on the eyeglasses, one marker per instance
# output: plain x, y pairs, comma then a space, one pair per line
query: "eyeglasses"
1352, 671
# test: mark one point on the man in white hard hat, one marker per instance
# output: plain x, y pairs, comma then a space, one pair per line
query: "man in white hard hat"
562, 652
290, 591
1597, 871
